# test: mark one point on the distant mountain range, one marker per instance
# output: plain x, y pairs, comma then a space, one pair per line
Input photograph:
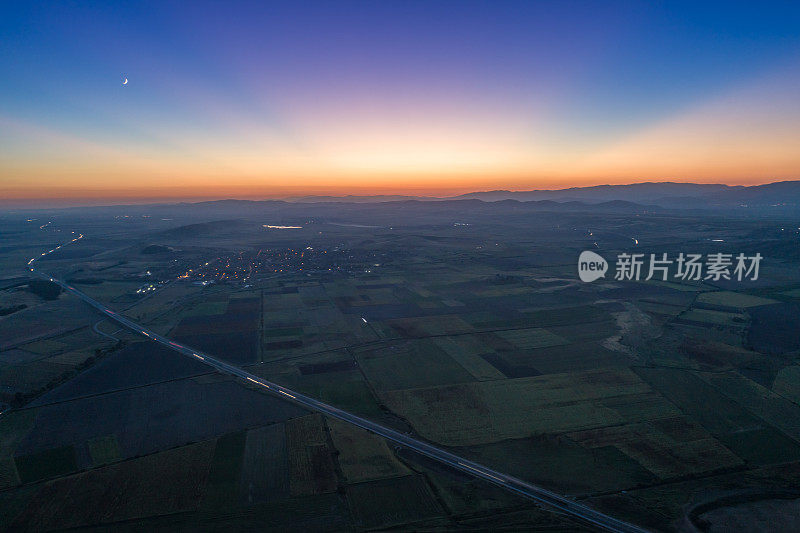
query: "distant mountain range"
664, 194
637, 192
780, 198
359, 199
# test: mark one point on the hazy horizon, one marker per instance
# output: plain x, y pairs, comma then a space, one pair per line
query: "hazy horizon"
99, 198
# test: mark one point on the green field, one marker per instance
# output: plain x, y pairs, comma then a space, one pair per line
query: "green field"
733, 299
265, 466
466, 351
224, 473
561, 463
158, 484
362, 455
103, 450
410, 365
787, 383
758, 400
45, 347
430, 325
669, 448
209, 308
46, 464
531, 338
311, 469
390, 502
714, 317
8, 472
748, 436
479, 413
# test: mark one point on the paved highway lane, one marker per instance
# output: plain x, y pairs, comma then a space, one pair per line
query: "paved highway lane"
548, 499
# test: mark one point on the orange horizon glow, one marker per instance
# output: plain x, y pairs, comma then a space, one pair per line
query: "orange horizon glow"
744, 137
155, 194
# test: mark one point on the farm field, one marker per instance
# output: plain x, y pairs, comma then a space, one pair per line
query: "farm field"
637, 397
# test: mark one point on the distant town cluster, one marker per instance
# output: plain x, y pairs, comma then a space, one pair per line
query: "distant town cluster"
252, 265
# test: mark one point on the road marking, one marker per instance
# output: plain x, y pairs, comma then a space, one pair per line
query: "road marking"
287, 394
482, 472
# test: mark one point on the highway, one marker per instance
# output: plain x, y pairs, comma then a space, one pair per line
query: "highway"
548, 499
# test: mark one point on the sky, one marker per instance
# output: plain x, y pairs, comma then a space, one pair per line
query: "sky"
272, 99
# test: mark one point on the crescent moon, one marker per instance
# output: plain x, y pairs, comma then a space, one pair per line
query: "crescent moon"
125, 82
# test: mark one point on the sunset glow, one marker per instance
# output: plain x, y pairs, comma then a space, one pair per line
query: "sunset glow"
392, 98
